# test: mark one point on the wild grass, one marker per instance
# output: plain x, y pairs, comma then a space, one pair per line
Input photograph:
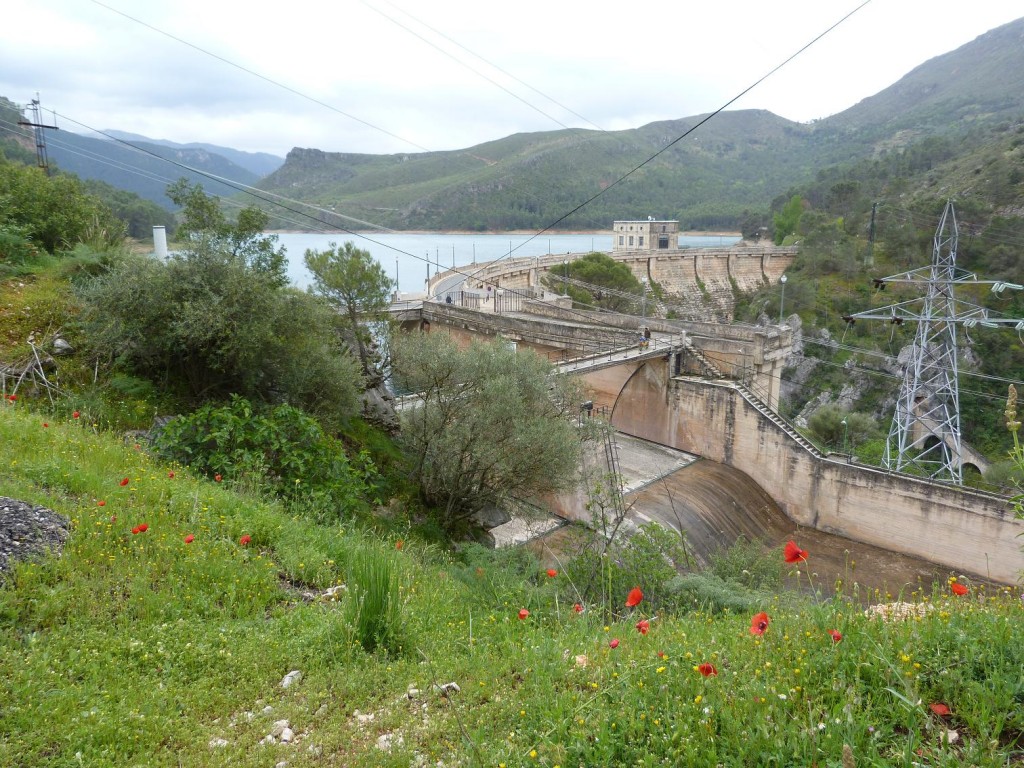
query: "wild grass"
142, 649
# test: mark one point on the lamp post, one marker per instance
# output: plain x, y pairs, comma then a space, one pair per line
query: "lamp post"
845, 432
565, 277
782, 298
396, 276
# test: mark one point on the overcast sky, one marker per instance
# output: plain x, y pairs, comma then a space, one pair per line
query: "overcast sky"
385, 76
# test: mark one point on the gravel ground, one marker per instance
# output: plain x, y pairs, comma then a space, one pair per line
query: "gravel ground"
27, 531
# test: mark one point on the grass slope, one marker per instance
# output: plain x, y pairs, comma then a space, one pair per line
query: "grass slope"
140, 649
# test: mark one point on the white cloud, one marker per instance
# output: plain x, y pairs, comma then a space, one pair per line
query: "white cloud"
610, 64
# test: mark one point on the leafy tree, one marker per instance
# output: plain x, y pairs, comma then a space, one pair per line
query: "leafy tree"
614, 285
787, 220
350, 279
827, 426
54, 212
206, 325
207, 228
493, 424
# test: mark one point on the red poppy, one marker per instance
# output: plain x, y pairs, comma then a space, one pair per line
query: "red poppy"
661, 654
959, 589
523, 613
170, 475
244, 541
939, 709
552, 572
75, 415
399, 544
143, 528
217, 478
125, 482
614, 643
708, 670
12, 398
759, 623
634, 597
836, 636
45, 425
189, 539
101, 503
793, 553
136, 531
643, 626
577, 607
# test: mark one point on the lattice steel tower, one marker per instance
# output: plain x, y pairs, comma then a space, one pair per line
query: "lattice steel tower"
925, 431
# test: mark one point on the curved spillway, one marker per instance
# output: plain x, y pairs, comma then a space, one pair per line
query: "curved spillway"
717, 505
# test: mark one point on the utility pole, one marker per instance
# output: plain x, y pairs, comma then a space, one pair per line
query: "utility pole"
37, 125
925, 431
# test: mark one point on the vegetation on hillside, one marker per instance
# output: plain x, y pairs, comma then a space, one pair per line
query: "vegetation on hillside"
164, 632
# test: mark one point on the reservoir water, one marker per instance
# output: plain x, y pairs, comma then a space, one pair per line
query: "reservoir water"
409, 257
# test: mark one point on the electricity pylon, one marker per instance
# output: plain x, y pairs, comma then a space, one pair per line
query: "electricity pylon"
925, 431
37, 127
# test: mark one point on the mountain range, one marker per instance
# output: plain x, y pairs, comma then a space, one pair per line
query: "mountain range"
737, 163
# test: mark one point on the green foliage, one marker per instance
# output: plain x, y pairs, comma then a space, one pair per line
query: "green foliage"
616, 287
492, 424
841, 430
787, 220
749, 563
138, 215
711, 593
16, 250
285, 450
191, 635
649, 558
205, 325
209, 230
352, 281
54, 212
374, 603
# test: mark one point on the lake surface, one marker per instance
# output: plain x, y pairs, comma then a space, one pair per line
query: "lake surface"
411, 257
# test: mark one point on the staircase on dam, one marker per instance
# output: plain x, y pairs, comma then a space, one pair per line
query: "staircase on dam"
712, 371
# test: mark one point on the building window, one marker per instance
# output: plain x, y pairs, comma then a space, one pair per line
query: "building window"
631, 240
662, 227
663, 241
641, 243
621, 238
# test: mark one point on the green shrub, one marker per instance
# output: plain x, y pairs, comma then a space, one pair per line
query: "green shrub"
748, 563
710, 592
374, 606
284, 449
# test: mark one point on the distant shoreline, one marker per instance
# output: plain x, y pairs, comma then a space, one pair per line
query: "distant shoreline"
603, 232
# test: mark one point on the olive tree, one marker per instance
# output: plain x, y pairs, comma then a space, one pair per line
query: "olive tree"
492, 424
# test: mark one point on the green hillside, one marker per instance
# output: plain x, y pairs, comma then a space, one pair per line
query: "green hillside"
729, 170
170, 645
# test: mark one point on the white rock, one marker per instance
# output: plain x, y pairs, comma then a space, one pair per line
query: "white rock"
449, 688
287, 736
279, 727
282, 764
267, 709
217, 743
361, 718
412, 693
295, 676
388, 740
268, 739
